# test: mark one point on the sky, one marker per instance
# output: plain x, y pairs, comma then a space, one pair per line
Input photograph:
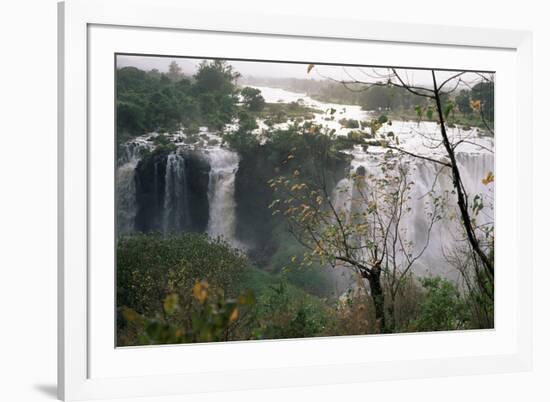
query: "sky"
286, 70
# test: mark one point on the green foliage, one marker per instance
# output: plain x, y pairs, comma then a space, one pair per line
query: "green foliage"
429, 113
462, 100
383, 119
151, 266
152, 101
216, 92
449, 107
285, 313
288, 259
213, 317
253, 99
442, 308
162, 141
349, 123
243, 140
484, 92
304, 147
187, 288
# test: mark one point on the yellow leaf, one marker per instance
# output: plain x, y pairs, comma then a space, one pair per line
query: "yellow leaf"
200, 291
489, 179
171, 303
234, 315
129, 314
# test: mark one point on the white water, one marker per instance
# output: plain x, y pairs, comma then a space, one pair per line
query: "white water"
126, 187
474, 155
427, 177
325, 118
221, 193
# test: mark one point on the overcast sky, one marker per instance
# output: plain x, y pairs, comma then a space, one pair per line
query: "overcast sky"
283, 70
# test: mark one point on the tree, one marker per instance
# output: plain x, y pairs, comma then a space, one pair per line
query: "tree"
174, 71
435, 94
215, 90
151, 101
253, 99
216, 76
355, 225
484, 93
463, 102
243, 140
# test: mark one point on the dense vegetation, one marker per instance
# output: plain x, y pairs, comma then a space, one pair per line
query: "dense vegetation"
150, 101
188, 288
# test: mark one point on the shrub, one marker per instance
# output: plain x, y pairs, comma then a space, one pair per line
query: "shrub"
151, 266
349, 123
253, 99
213, 317
284, 312
442, 308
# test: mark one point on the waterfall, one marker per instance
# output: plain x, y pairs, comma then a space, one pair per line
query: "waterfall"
176, 205
126, 187
341, 198
221, 191
427, 176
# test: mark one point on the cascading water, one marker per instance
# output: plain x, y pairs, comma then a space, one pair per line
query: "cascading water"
221, 193
126, 187
428, 178
342, 196
176, 205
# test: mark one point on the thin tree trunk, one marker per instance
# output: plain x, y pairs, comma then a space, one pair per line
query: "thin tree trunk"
457, 183
377, 295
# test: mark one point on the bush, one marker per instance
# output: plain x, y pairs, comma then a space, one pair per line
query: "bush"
253, 99
151, 266
283, 312
213, 318
349, 123
443, 308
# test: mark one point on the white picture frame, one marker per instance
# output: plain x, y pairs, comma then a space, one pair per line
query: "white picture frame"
92, 31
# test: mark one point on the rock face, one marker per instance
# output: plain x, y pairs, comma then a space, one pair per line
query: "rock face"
198, 176
255, 224
149, 177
